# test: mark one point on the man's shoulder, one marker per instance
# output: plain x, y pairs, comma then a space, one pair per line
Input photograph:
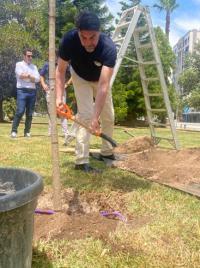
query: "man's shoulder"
45, 65
106, 38
19, 63
106, 41
44, 69
33, 66
108, 50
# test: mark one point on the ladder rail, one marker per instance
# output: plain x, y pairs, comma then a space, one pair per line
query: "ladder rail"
161, 76
124, 46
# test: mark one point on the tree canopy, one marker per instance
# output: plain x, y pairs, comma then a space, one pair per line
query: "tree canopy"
168, 6
189, 79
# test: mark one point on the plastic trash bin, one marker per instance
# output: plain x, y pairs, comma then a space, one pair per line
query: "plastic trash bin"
19, 189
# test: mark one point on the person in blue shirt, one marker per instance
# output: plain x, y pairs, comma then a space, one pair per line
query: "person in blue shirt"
44, 80
92, 56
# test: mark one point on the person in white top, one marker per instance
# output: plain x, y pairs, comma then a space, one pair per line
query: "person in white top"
27, 76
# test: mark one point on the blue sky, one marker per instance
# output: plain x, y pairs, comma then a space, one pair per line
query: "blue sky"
186, 17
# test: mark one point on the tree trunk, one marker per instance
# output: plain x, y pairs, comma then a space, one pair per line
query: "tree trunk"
1, 111
54, 135
167, 24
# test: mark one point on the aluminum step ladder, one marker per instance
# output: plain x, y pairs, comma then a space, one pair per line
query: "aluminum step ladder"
135, 25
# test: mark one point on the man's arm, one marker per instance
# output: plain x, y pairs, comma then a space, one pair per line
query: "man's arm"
60, 80
45, 87
44, 72
19, 72
35, 76
103, 88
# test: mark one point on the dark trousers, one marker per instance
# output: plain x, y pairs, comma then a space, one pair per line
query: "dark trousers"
25, 102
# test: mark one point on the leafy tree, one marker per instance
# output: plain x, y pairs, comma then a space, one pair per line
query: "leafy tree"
194, 98
65, 14
168, 6
16, 10
166, 54
65, 17
194, 59
119, 99
9, 108
189, 79
128, 4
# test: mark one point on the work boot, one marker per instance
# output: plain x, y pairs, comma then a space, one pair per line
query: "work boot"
109, 157
87, 168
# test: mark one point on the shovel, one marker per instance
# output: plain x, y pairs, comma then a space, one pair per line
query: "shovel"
65, 111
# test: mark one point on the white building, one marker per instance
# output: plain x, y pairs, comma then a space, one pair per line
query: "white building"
185, 45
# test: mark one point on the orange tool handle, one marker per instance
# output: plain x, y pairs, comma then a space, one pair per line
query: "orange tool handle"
66, 112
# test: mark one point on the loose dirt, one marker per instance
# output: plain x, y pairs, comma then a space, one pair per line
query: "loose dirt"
161, 165
80, 214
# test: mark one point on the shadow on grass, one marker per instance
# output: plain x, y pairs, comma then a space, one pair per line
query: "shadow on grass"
40, 259
112, 179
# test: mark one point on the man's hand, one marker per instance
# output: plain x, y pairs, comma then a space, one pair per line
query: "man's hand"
45, 87
32, 78
59, 103
24, 76
94, 126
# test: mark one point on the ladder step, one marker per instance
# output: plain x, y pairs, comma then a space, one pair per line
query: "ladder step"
158, 124
150, 79
157, 110
163, 138
147, 62
128, 11
154, 95
122, 25
141, 29
148, 45
119, 40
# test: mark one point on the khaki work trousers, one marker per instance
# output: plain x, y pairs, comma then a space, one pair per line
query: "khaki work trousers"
85, 92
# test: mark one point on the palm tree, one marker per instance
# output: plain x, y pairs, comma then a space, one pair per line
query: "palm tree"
169, 6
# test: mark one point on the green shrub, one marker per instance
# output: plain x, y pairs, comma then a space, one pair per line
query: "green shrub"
9, 108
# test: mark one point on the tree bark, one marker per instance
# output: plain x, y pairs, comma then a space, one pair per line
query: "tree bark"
54, 135
167, 24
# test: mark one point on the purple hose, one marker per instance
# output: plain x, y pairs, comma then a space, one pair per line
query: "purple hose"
113, 213
42, 211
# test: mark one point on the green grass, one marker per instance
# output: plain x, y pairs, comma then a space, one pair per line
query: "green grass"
164, 230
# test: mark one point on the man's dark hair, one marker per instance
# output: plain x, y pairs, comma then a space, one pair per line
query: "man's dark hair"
27, 50
88, 21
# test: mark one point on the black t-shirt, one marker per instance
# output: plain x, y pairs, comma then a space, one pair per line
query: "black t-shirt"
87, 65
